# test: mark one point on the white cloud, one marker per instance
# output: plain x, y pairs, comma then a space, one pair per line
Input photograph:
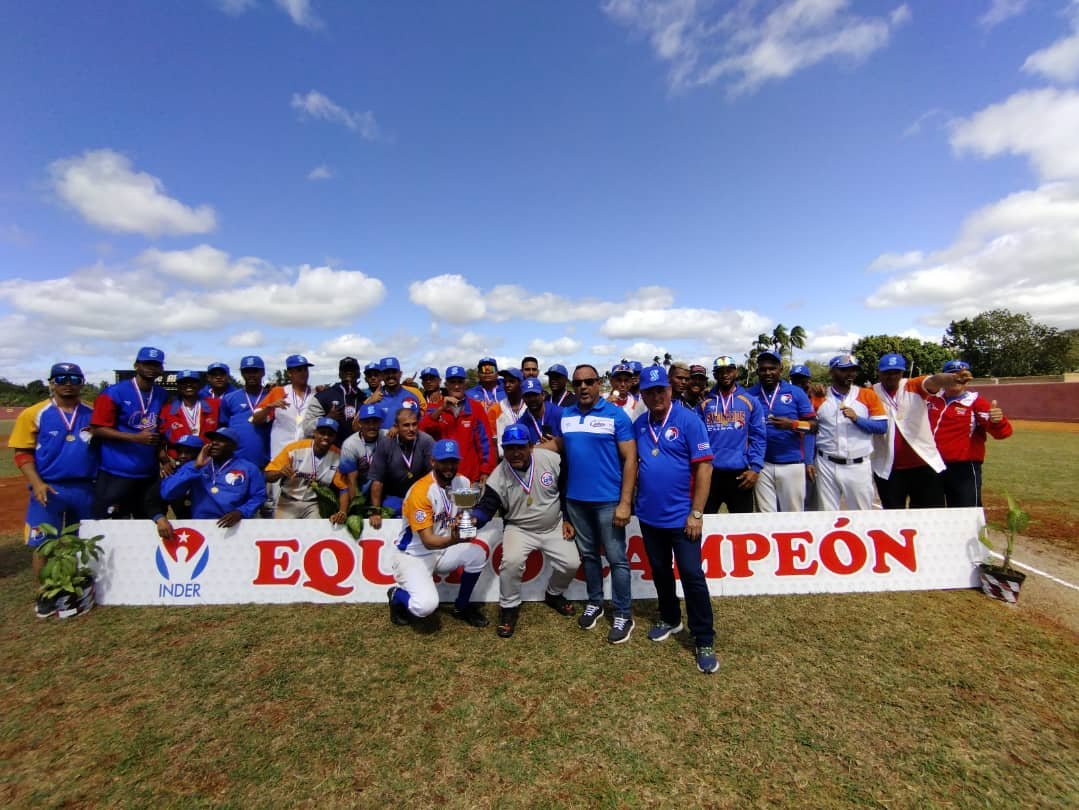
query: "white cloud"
1001, 10
1039, 124
350, 345
203, 265
559, 347
246, 340
449, 297
320, 173
714, 326
752, 43
1060, 61
827, 341
316, 105
301, 12
102, 186
351, 293
507, 302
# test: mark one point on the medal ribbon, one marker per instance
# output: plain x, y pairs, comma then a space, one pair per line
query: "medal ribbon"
527, 487
300, 402
407, 459
258, 401
726, 402
214, 471
144, 404
655, 436
770, 401
192, 417
69, 424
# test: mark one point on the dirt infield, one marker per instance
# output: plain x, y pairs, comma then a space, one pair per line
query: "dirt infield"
13, 498
1047, 427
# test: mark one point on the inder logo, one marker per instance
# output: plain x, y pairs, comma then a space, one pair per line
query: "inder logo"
180, 559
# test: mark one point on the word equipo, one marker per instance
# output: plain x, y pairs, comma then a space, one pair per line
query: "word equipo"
330, 565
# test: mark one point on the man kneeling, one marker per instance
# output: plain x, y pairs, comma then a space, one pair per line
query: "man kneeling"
430, 544
524, 487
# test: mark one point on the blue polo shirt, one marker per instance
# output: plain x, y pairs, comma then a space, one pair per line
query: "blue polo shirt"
254, 440
124, 407
735, 430
551, 423
784, 446
239, 484
665, 480
390, 405
594, 467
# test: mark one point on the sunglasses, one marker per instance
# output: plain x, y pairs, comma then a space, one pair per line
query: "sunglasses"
68, 379
590, 381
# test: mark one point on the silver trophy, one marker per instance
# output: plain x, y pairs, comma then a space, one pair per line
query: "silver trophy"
465, 498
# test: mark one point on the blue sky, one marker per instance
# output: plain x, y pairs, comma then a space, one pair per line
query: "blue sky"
582, 181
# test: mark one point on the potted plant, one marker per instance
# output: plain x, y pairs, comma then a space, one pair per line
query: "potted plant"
67, 584
1002, 581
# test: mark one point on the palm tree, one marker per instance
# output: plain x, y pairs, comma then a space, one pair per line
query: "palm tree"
798, 339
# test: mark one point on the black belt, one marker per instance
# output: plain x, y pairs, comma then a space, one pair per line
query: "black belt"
835, 460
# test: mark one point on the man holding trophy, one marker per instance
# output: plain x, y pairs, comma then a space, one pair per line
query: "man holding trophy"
436, 538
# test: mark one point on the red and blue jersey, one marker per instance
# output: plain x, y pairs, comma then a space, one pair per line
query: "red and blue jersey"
178, 421
666, 454
60, 442
590, 440
784, 446
126, 408
239, 484
469, 429
736, 432
237, 409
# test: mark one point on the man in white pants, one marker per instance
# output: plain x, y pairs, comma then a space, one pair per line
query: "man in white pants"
524, 488
430, 544
848, 417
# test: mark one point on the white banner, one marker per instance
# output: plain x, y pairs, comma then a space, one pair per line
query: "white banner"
277, 561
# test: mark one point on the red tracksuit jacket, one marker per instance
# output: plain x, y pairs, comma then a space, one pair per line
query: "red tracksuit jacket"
960, 426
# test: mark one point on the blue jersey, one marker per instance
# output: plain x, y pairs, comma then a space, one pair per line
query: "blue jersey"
206, 392
784, 446
239, 484
487, 398
550, 424
126, 408
736, 432
236, 411
591, 443
390, 405
60, 442
665, 478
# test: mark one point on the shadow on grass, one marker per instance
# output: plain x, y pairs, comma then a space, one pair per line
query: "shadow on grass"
13, 560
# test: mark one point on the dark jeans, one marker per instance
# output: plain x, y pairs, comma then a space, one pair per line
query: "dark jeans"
962, 483
661, 545
119, 497
596, 532
724, 490
921, 484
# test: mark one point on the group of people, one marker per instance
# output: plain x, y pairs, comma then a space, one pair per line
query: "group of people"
565, 466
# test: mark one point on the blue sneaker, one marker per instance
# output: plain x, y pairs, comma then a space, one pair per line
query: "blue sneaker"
587, 620
706, 660
661, 631
621, 629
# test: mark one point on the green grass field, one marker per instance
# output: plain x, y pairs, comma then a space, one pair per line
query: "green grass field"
922, 699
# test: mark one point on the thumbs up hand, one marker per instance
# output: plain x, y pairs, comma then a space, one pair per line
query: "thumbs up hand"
995, 413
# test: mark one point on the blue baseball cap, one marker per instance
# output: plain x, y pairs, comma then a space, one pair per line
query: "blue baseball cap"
190, 442
188, 374
456, 371
65, 368
635, 366
653, 377
621, 368
148, 354
515, 434
430, 371
557, 368
297, 361
771, 355
218, 366
370, 412
516, 373
843, 361
800, 371
487, 361
389, 364
252, 361
892, 362
327, 422
444, 449
226, 433
953, 366
371, 367
532, 385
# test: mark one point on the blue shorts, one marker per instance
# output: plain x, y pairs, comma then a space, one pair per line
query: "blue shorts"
71, 503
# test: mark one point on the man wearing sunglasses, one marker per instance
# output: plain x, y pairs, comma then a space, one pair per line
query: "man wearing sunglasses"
51, 441
601, 460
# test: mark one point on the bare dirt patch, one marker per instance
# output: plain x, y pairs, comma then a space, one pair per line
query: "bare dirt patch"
13, 499
1046, 427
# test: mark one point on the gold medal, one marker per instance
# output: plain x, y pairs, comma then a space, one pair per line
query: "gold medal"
529, 501
655, 451
408, 475
69, 437
214, 490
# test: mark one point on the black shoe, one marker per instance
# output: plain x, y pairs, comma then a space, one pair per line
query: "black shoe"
399, 614
507, 621
559, 604
45, 606
471, 614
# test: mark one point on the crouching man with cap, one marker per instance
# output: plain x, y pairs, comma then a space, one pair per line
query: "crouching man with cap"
430, 544
303, 463
220, 484
524, 488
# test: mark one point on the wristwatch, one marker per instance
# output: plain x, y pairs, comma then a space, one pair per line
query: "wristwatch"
696, 514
